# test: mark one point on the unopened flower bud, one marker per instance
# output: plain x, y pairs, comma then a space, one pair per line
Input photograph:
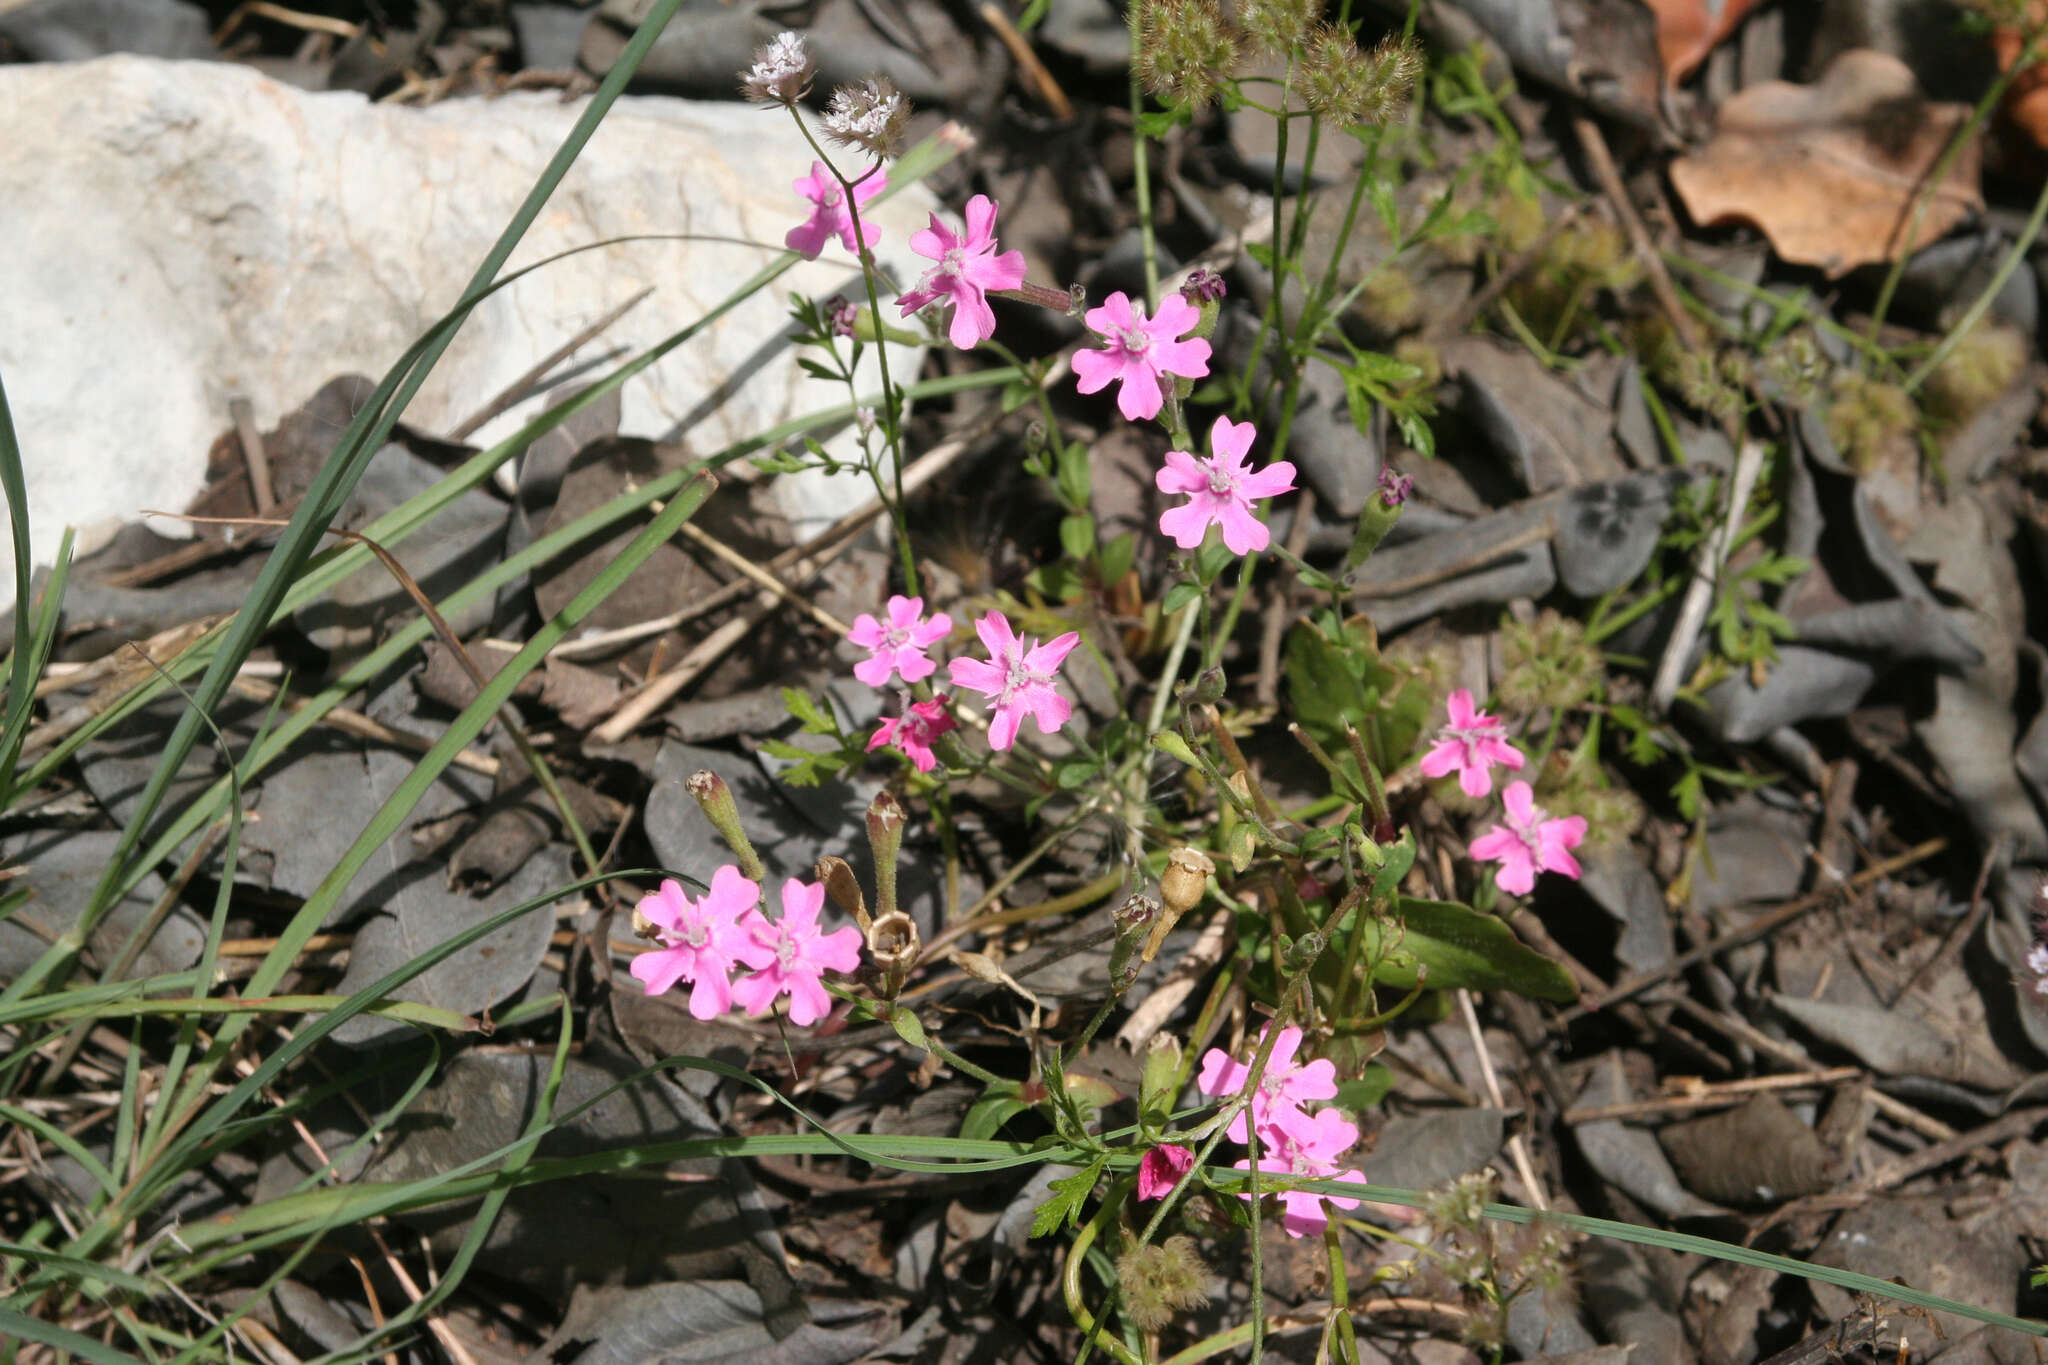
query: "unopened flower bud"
1301, 954
885, 839
1381, 512
714, 798
1202, 286
1134, 920
781, 73
841, 312
835, 874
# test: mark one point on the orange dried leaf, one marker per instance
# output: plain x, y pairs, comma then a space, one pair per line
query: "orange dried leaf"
1687, 30
1830, 172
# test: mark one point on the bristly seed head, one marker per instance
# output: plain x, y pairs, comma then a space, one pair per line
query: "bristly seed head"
781, 73
870, 115
1277, 26
1184, 49
1350, 87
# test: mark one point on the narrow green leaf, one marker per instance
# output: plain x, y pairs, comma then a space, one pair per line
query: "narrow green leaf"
1461, 947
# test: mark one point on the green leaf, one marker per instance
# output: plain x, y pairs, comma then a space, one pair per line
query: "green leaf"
1367, 1091
1069, 1194
1075, 773
1178, 596
781, 462
1381, 191
815, 721
997, 1106
1213, 558
1168, 742
1077, 535
1115, 558
1461, 947
910, 1028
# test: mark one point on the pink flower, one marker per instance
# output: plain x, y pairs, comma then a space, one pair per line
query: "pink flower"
1529, 842
1283, 1086
1017, 678
1161, 1169
1141, 353
1472, 743
1311, 1152
702, 940
793, 955
1222, 489
829, 216
900, 646
967, 269
2037, 963
914, 731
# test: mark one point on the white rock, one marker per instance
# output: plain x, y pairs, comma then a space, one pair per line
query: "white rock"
177, 234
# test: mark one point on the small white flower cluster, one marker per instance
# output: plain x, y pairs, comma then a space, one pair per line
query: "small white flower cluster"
869, 114
781, 73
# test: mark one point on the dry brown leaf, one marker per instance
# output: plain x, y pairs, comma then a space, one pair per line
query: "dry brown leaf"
2026, 100
1830, 172
1687, 30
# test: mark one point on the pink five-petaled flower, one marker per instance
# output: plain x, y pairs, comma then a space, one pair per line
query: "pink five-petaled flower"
1017, 678
1161, 1169
899, 647
1221, 490
1529, 842
1284, 1086
793, 955
1141, 353
968, 267
829, 214
1309, 1151
1470, 744
702, 940
914, 731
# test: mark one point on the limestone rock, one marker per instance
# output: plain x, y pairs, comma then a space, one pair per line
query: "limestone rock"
180, 234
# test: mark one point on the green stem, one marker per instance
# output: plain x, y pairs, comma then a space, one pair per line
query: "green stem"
1986, 297
891, 413
1141, 183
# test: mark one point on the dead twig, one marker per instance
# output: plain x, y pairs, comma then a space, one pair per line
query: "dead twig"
1035, 74
1711, 1095
1594, 143
1699, 594
254, 457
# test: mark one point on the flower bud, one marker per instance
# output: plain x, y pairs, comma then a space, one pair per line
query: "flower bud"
1301, 954
885, 839
1156, 1088
835, 874
1382, 510
842, 314
1133, 919
714, 798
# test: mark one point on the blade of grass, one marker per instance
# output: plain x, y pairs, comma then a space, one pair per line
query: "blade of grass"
25, 1328
389, 817
337, 476
21, 674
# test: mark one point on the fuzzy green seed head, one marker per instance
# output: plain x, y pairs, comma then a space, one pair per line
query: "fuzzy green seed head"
1387, 300
1613, 814
1982, 366
1424, 357
1517, 220
1184, 49
1162, 1281
1797, 366
1865, 416
1349, 87
1277, 26
1548, 662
